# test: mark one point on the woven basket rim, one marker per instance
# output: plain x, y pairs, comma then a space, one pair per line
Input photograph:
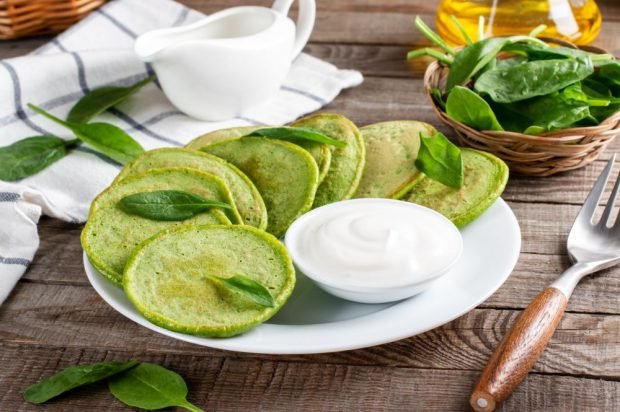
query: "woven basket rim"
533, 155
20, 18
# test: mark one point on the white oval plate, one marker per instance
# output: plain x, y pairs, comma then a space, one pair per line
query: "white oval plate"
314, 322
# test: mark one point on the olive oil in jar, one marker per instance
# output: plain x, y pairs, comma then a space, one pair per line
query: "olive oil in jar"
578, 21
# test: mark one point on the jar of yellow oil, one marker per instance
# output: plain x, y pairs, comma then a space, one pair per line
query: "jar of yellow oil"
578, 21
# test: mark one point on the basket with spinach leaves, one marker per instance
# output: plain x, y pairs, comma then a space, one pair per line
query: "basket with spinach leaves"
542, 106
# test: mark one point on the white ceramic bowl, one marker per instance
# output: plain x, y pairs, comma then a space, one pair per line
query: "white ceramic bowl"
363, 293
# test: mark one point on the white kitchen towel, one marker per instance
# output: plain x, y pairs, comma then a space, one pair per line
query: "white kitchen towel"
98, 52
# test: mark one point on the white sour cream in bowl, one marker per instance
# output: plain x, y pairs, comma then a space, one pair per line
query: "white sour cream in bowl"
373, 250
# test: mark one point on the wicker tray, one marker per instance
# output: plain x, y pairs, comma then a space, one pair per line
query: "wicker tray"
541, 155
20, 18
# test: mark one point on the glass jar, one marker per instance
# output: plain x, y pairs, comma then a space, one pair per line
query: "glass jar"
578, 21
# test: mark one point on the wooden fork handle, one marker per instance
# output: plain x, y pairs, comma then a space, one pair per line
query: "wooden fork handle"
519, 350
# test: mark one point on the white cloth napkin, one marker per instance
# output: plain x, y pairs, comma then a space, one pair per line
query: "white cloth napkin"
98, 52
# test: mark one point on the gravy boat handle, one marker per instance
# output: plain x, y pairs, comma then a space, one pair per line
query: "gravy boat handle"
305, 21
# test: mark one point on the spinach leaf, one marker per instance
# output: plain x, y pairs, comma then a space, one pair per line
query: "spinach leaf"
247, 287
474, 57
534, 130
31, 155
508, 116
510, 61
73, 377
557, 110
103, 137
150, 386
297, 133
531, 79
438, 97
575, 92
539, 52
602, 113
168, 205
467, 107
101, 99
595, 88
611, 72
441, 160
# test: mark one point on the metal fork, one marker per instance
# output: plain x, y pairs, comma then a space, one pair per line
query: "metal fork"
591, 247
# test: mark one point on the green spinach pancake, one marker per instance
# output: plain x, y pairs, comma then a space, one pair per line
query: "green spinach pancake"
347, 163
110, 235
391, 151
285, 174
320, 152
485, 179
167, 280
247, 198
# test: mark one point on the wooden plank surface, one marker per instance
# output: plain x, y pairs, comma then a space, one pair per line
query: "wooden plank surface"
55, 319
234, 384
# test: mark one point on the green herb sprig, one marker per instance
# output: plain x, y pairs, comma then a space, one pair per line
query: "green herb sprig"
168, 205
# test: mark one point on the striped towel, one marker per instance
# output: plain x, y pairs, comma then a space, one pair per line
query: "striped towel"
96, 52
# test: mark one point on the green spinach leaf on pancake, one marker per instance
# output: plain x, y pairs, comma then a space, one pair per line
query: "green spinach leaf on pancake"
247, 198
485, 179
320, 152
167, 278
110, 235
391, 151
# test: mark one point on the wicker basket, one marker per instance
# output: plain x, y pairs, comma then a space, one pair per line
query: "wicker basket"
20, 18
542, 155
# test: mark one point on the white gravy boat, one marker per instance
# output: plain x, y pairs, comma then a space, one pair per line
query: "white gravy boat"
229, 61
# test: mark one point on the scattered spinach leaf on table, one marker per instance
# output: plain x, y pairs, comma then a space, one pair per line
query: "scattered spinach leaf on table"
73, 377
151, 386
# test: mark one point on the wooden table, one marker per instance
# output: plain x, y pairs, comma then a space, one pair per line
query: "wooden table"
54, 318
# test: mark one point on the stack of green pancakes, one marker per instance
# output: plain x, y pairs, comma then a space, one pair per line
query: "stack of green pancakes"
164, 266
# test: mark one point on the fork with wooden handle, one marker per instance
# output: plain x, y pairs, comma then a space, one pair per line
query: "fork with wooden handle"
591, 247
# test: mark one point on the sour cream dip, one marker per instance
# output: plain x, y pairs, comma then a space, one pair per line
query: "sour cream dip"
373, 250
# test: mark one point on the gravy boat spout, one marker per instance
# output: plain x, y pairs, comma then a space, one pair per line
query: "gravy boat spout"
217, 67
239, 25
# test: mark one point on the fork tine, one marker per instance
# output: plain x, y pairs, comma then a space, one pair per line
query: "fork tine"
606, 217
586, 214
